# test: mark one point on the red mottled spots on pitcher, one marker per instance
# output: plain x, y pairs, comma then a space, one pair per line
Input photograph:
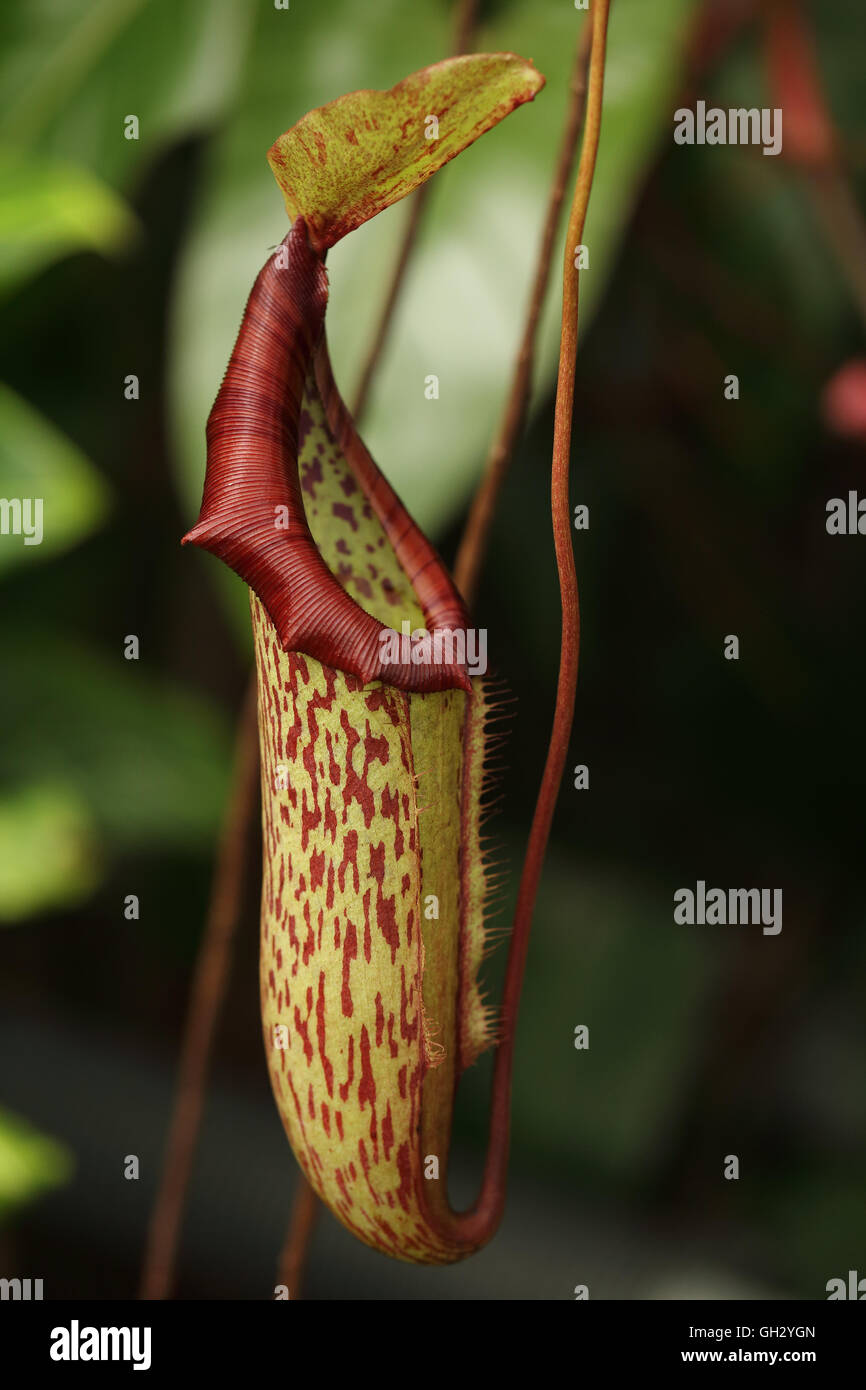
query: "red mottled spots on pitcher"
352, 952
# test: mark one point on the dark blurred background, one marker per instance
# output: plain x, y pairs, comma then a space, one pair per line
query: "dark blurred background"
707, 518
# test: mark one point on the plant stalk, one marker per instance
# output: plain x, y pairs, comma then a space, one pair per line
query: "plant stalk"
478, 1223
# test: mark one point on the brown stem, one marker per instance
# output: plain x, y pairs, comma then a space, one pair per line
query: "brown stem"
478, 1223
417, 204
208, 991
464, 26
463, 33
473, 544
494, 1181
293, 1256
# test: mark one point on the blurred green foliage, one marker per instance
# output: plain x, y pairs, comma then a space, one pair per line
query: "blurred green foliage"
48, 850
132, 763
49, 209
30, 1163
150, 761
36, 461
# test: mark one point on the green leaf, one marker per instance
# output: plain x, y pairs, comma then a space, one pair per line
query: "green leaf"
30, 1163
49, 209
47, 850
70, 76
50, 495
148, 760
344, 162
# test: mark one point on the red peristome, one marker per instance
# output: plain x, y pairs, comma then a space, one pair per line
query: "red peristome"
252, 514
